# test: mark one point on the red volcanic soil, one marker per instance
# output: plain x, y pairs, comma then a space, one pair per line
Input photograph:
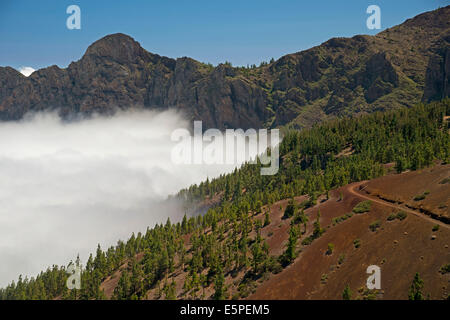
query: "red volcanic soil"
399, 247
277, 232
433, 182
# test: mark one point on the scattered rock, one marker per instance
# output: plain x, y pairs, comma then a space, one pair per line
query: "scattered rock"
433, 237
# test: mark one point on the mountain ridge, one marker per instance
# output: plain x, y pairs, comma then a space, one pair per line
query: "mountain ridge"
399, 66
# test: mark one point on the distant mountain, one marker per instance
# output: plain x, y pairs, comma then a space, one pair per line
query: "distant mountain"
400, 66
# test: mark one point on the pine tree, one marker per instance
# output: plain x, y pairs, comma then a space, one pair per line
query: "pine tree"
184, 225
171, 291
123, 289
257, 256
415, 291
347, 293
219, 285
266, 219
290, 253
318, 230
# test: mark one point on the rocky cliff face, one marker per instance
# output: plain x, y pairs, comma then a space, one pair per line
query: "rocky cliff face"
400, 66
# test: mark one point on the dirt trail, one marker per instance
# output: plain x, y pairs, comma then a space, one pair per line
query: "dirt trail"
351, 188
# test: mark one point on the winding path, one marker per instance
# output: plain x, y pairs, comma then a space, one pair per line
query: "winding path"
351, 188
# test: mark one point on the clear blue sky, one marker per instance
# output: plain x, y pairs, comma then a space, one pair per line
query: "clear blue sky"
33, 33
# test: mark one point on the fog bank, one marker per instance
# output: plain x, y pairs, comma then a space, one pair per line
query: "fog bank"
64, 187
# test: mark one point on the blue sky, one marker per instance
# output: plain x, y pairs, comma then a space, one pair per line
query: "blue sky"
33, 33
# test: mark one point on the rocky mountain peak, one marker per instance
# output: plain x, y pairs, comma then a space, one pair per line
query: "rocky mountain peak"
119, 47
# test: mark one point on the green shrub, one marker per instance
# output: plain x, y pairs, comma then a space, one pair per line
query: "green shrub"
391, 217
290, 210
307, 241
266, 219
299, 217
445, 268
340, 219
274, 266
420, 197
362, 207
375, 225
369, 294
401, 215
330, 248
347, 293
435, 227
357, 243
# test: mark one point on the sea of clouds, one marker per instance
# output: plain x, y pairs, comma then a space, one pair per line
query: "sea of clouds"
65, 187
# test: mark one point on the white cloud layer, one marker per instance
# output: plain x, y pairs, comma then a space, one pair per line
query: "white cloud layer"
26, 71
65, 187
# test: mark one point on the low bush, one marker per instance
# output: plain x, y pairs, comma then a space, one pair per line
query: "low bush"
374, 225
391, 217
340, 219
420, 197
445, 268
330, 248
362, 207
401, 215
307, 241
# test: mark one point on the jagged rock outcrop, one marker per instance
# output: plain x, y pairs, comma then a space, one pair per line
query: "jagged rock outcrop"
438, 75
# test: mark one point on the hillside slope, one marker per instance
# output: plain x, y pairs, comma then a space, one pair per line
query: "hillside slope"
262, 228
400, 248
400, 66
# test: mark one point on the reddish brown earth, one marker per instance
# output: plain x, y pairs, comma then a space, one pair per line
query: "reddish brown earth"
399, 248
404, 187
